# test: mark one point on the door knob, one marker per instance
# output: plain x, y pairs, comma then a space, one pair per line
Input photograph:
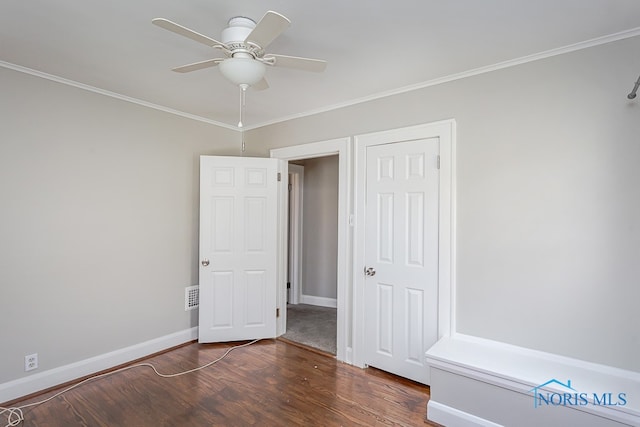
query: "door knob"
369, 271
205, 262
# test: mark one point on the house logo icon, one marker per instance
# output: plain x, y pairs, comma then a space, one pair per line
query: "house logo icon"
538, 395
557, 393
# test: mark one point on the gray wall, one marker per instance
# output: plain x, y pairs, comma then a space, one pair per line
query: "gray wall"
98, 216
320, 227
98, 221
548, 199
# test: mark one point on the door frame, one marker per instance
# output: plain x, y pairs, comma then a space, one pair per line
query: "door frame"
446, 132
341, 147
296, 197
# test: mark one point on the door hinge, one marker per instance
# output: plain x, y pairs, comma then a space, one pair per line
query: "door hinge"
279, 177
438, 161
288, 285
290, 187
277, 312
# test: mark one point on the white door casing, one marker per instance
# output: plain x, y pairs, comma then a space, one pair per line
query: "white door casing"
394, 314
241, 255
341, 147
296, 183
401, 256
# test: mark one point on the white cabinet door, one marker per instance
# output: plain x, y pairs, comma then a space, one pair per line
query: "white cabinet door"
401, 253
239, 249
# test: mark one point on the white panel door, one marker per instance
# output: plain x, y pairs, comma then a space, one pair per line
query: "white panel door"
238, 248
401, 256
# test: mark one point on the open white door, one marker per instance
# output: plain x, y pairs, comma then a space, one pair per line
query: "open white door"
240, 251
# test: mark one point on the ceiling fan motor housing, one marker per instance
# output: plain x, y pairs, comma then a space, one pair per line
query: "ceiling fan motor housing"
235, 34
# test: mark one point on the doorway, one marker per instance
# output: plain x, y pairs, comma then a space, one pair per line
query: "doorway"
341, 148
313, 241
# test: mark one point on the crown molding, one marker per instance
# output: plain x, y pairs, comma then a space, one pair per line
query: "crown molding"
115, 95
434, 82
463, 75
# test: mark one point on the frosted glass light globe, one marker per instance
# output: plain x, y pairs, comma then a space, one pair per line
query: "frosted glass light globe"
239, 71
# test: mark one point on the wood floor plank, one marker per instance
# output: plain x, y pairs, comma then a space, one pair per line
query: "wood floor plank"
270, 383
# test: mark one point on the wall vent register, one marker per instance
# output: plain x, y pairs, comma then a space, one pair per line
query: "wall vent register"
191, 297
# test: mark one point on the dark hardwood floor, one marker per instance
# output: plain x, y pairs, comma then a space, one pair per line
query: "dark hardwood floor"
270, 383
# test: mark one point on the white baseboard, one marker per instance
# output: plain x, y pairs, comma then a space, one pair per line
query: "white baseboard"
41, 381
452, 417
348, 359
319, 301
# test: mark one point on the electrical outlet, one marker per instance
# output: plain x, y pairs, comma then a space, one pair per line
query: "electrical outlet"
31, 362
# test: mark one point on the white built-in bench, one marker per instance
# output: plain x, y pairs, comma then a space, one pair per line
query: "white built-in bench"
479, 382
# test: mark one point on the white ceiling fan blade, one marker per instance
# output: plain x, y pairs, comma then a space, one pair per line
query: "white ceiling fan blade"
261, 85
268, 28
198, 65
305, 64
186, 32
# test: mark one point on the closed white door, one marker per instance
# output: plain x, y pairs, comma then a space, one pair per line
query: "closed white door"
238, 248
401, 256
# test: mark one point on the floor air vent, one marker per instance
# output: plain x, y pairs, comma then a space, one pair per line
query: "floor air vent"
191, 297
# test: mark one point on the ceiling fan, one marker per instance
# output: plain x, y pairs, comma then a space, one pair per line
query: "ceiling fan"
243, 45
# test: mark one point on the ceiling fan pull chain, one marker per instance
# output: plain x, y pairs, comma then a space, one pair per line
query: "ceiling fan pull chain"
241, 106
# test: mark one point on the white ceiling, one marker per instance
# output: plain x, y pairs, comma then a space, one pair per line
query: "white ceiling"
372, 47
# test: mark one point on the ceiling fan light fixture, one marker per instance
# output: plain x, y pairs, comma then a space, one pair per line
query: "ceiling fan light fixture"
242, 71
243, 43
